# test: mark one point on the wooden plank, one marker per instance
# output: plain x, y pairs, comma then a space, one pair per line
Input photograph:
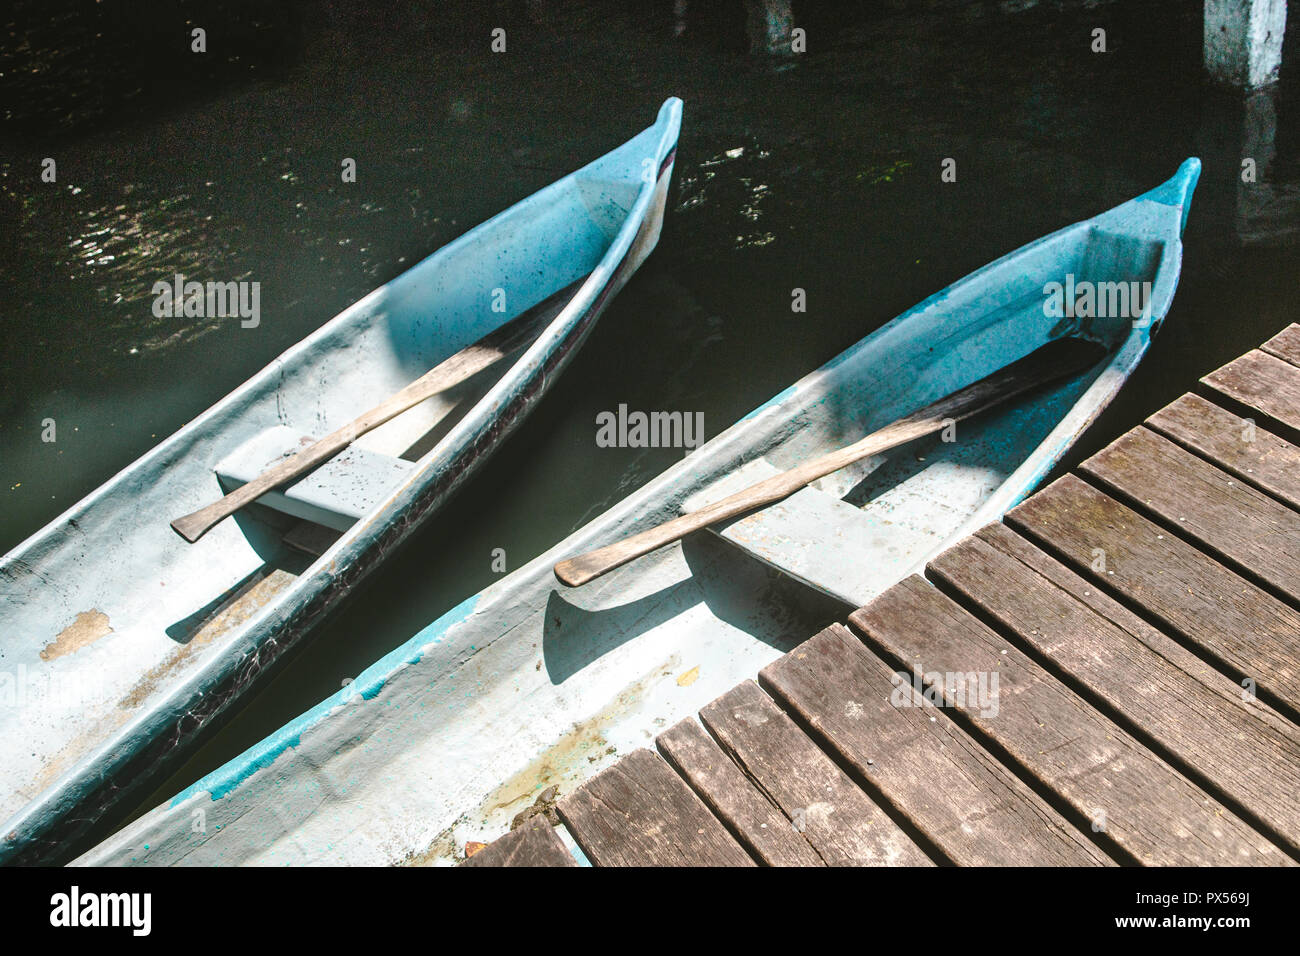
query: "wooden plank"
837, 818
857, 707
1264, 383
1286, 344
1221, 746
1138, 803
1243, 628
1103, 605
757, 822
535, 843
1224, 516
639, 813
1237, 446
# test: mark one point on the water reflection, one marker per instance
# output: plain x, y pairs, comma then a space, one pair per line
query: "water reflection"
1268, 208
1250, 152
731, 183
769, 23
121, 248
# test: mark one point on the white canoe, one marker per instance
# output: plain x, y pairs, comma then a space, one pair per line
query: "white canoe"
120, 641
529, 684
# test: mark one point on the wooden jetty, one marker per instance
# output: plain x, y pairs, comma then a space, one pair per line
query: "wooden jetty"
1110, 675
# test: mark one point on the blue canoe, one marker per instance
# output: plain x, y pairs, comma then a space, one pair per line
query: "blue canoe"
529, 685
120, 640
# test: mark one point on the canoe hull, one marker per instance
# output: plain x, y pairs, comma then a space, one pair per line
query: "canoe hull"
150, 726
529, 684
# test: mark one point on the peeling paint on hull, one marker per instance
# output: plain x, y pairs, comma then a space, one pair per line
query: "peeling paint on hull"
86, 629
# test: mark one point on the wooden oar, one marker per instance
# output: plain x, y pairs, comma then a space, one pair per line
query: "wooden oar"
492, 348
1056, 360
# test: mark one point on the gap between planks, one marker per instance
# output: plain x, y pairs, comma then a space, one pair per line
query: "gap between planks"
1104, 779
1238, 750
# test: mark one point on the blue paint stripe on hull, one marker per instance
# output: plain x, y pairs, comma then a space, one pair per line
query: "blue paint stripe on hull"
367, 686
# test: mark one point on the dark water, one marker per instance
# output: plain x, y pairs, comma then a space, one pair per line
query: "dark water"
818, 171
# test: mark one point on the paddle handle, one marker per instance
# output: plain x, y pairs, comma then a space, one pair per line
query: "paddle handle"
1053, 361
489, 350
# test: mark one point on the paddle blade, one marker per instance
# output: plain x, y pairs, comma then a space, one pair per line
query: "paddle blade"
192, 526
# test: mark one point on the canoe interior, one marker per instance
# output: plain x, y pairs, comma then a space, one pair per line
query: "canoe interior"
108, 618
531, 684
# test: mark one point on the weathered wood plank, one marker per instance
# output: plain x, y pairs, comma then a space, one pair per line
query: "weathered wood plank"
639, 813
753, 818
1237, 446
1221, 746
535, 843
1243, 628
1263, 383
836, 817
983, 815
1220, 513
1286, 344
1136, 800
1100, 603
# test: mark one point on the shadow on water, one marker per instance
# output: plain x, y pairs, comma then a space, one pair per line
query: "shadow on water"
817, 171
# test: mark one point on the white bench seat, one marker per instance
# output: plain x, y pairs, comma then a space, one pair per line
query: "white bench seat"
818, 538
335, 494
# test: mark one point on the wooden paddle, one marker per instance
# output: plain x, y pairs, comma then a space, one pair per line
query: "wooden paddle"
492, 348
1059, 359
